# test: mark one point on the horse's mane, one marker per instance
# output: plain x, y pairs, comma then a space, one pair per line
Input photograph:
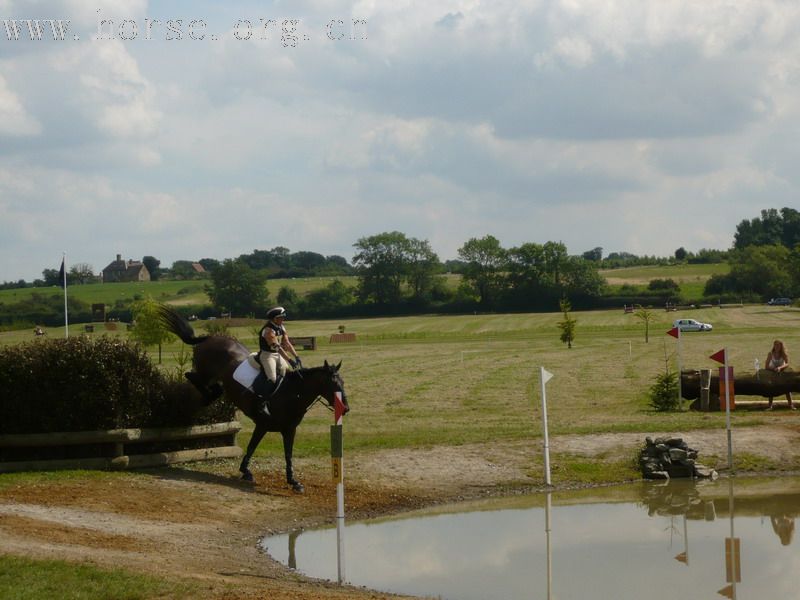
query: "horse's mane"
299, 374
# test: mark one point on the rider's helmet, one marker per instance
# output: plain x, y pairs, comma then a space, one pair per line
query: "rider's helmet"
274, 313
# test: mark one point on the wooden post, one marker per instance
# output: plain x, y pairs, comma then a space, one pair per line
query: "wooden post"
705, 388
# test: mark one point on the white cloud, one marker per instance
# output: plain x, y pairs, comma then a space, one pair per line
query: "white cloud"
114, 94
14, 119
594, 122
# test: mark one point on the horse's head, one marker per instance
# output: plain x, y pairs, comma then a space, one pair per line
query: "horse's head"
332, 383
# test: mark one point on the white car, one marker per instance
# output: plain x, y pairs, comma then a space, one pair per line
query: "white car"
691, 325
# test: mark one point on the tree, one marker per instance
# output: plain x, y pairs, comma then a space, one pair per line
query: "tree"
680, 254
767, 271
669, 285
421, 268
209, 264
237, 289
148, 329
288, 298
567, 326
51, 277
330, 299
486, 261
772, 228
152, 264
646, 316
306, 263
80, 273
183, 269
596, 254
540, 274
381, 266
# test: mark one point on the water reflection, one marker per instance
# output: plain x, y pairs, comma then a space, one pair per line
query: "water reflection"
620, 542
783, 526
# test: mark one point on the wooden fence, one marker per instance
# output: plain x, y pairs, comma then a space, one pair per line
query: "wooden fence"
117, 448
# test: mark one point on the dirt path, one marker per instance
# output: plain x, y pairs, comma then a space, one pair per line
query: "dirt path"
201, 523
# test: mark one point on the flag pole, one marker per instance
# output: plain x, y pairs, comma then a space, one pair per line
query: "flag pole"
728, 410
680, 383
544, 377
64, 283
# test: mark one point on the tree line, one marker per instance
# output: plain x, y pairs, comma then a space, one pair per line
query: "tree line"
398, 274
765, 259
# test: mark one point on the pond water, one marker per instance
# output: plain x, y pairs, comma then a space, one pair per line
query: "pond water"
645, 540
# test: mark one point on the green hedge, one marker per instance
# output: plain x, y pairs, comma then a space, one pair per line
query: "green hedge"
87, 384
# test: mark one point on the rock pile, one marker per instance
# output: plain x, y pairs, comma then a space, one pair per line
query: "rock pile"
663, 458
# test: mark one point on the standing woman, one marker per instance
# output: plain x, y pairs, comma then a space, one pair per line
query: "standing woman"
778, 361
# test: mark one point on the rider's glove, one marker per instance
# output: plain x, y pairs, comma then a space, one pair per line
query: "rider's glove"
297, 363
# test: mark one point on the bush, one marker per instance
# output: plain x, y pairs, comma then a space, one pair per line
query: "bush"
663, 393
83, 383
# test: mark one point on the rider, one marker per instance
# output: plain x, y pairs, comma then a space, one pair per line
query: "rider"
276, 349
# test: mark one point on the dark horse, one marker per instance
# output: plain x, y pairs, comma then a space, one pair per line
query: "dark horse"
216, 357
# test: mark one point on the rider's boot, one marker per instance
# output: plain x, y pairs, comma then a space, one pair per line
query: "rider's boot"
263, 405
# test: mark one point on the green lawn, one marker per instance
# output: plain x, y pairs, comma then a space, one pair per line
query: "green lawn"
29, 579
428, 381
449, 380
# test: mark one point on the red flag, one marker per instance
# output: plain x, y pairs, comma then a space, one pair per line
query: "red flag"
720, 357
674, 332
338, 408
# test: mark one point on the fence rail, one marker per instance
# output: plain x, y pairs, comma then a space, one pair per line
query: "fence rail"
117, 447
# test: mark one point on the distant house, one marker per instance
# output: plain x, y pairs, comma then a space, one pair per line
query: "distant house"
198, 268
120, 270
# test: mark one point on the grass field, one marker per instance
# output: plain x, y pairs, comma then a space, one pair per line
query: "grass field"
449, 380
29, 579
170, 292
691, 278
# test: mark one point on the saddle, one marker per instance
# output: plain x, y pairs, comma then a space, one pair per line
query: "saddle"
250, 375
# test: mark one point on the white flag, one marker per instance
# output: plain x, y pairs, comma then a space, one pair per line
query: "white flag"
546, 375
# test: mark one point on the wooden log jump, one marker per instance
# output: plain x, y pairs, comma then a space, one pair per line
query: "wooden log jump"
764, 383
305, 342
118, 447
339, 338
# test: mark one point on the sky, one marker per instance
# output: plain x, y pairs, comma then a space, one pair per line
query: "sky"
188, 130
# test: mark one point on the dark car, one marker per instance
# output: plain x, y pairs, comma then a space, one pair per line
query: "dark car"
780, 302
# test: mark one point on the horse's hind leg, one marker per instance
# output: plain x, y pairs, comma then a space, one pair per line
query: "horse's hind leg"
288, 446
209, 392
255, 439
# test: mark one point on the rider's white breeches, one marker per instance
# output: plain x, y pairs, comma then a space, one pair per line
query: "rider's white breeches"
273, 364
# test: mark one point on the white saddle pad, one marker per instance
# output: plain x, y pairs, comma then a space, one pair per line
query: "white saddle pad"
246, 374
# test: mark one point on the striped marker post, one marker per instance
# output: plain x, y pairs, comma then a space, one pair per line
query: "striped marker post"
337, 452
727, 379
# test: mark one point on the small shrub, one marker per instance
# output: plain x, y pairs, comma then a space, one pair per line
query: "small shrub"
663, 393
216, 327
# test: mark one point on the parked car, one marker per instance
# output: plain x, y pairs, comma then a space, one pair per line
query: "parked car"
780, 302
691, 325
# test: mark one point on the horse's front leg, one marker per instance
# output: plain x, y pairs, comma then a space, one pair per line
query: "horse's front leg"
288, 446
255, 439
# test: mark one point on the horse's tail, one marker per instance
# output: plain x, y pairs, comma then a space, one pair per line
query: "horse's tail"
179, 326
